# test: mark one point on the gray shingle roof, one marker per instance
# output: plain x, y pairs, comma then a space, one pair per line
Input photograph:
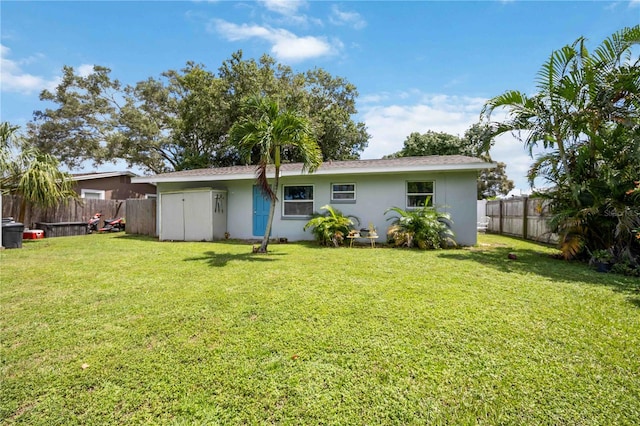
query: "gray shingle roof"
100, 175
426, 163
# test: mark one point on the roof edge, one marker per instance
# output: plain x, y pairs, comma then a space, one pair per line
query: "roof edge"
330, 172
99, 175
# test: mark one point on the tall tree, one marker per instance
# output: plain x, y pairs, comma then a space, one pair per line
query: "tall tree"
476, 142
479, 138
270, 129
543, 119
144, 136
587, 114
432, 143
331, 101
80, 128
182, 119
328, 102
204, 119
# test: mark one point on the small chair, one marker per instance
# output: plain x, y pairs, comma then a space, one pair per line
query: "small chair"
483, 224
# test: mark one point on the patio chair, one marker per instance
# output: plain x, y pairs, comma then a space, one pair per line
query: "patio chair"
483, 224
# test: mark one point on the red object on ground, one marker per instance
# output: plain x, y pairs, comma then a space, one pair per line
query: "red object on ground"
33, 234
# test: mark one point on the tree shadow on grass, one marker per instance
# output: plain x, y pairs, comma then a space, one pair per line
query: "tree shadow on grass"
634, 300
221, 259
137, 237
314, 245
543, 264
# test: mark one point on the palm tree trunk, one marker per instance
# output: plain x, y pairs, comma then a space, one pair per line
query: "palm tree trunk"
272, 210
563, 158
22, 213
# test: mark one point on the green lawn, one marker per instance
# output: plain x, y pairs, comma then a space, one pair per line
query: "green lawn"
119, 329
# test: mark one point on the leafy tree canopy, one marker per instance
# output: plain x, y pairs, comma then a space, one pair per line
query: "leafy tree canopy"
477, 141
181, 120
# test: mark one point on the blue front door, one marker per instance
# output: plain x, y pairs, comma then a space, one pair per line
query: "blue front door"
260, 212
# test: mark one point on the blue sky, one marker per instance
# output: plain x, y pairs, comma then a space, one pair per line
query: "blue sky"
418, 65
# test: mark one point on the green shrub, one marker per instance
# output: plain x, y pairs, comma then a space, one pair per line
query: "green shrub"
425, 228
625, 268
331, 227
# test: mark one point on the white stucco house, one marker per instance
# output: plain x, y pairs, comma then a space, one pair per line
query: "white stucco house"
207, 204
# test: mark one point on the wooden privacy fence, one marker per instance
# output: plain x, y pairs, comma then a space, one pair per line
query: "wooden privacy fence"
140, 214
75, 211
520, 217
141, 217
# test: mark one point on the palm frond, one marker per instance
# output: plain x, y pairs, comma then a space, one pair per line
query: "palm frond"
262, 181
425, 227
330, 227
266, 130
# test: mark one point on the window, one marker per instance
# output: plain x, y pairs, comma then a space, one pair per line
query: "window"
297, 200
343, 192
92, 194
418, 192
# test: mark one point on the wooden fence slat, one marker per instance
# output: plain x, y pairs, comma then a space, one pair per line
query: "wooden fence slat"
140, 214
520, 217
75, 211
141, 217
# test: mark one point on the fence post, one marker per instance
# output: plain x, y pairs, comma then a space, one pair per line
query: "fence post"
501, 214
525, 217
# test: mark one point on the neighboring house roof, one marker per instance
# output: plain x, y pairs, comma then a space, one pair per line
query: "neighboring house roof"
99, 175
431, 163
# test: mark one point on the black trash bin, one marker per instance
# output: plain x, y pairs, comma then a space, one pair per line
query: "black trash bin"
12, 234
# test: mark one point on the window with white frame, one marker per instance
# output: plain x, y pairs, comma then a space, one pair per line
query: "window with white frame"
297, 200
420, 193
343, 192
92, 194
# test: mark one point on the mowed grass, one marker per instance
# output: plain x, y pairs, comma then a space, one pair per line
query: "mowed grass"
115, 329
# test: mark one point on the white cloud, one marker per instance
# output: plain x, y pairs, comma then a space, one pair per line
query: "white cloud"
390, 123
85, 70
340, 17
634, 3
14, 79
373, 98
285, 45
233, 32
509, 150
283, 7
300, 48
288, 9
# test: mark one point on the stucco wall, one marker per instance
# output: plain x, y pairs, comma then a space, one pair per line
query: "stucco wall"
460, 201
455, 192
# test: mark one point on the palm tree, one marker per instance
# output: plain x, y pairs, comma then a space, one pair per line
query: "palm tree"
578, 95
8, 135
32, 175
331, 227
266, 130
426, 228
544, 117
587, 111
